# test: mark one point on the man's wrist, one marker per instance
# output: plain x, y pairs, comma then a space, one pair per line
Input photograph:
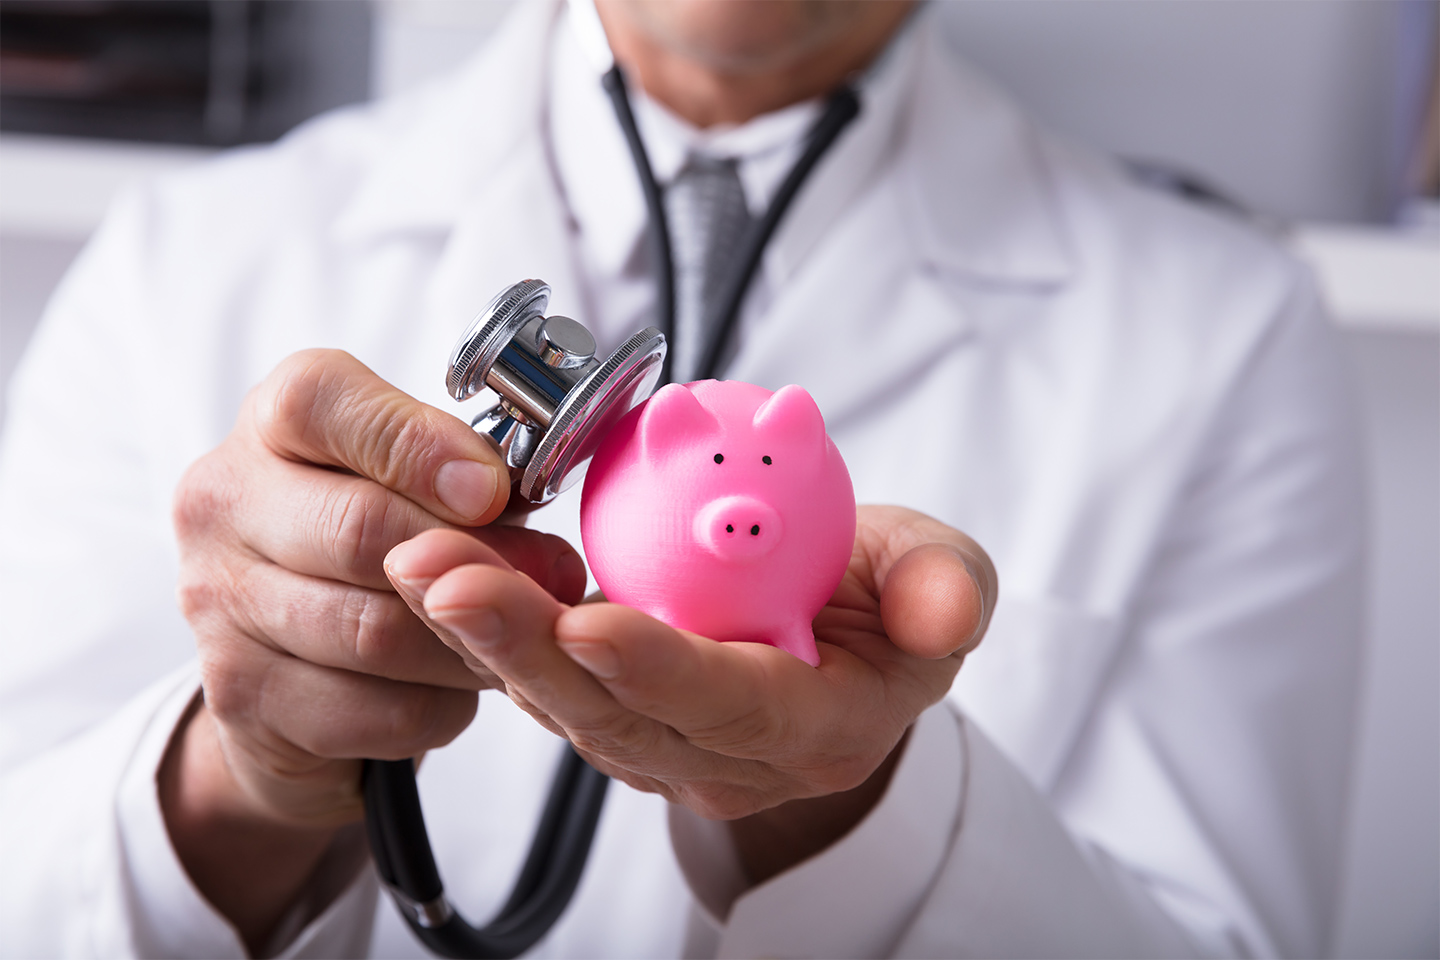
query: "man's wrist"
855, 897
772, 841
249, 866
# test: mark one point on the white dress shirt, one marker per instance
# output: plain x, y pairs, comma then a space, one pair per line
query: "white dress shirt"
1132, 403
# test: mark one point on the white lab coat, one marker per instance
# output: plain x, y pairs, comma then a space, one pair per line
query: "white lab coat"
1132, 403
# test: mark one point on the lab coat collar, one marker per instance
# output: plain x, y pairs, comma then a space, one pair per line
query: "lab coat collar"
976, 190
975, 184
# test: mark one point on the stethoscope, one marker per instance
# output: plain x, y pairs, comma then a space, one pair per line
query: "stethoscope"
556, 401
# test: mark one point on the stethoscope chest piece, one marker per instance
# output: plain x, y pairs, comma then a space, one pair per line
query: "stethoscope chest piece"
557, 400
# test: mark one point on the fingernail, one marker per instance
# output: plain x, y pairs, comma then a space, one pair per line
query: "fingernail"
466, 487
596, 656
413, 587
409, 584
979, 583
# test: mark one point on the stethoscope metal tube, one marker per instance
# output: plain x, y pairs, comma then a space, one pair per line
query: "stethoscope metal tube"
556, 402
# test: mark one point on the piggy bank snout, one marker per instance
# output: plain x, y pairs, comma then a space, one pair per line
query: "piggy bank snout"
738, 527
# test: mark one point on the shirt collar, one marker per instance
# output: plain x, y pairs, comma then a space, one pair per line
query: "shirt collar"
597, 174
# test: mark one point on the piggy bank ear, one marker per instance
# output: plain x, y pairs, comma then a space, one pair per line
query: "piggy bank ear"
791, 421
671, 418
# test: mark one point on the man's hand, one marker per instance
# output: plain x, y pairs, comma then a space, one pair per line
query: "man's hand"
309, 661
737, 731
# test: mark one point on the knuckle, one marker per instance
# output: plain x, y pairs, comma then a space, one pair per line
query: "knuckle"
716, 800
197, 593
742, 734
203, 495
624, 740
230, 687
839, 777
387, 435
371, 620
355, 529
414, 719
210, 596
844, 772
288, 396
397, 444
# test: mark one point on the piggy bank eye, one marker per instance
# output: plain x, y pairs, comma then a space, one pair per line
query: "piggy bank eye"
765, 460
719, 458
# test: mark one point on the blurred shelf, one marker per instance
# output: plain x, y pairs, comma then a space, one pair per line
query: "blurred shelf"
205, 72
61, 187
1373, 277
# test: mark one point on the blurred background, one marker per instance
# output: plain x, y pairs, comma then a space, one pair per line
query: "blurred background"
1320, 117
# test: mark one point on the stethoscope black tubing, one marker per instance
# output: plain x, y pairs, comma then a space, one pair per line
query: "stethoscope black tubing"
399, 842
400, 846
614, 83
842, 107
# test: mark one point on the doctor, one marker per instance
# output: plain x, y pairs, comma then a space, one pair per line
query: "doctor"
1132, 403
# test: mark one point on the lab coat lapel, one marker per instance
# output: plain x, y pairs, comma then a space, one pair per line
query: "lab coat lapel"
960, 197
884, 325
980, 202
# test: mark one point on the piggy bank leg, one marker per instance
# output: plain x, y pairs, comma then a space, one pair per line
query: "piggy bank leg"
798, 638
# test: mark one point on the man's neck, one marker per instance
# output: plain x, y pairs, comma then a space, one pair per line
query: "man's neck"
709, 91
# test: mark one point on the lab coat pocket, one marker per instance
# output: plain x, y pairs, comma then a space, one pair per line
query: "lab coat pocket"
1032, 684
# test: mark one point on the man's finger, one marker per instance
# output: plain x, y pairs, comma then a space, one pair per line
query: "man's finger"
508, 622
931, 605
326, 407
415, 564
733, 698
773, 717
350, 628
547, 559
886, 536
325, 524
326, 712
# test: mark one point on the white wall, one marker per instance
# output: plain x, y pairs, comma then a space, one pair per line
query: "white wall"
1287, 105
1391, 904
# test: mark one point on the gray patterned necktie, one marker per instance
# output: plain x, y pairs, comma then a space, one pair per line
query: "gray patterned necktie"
708, 218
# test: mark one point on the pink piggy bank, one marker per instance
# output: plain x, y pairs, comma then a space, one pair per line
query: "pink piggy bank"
722, 508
